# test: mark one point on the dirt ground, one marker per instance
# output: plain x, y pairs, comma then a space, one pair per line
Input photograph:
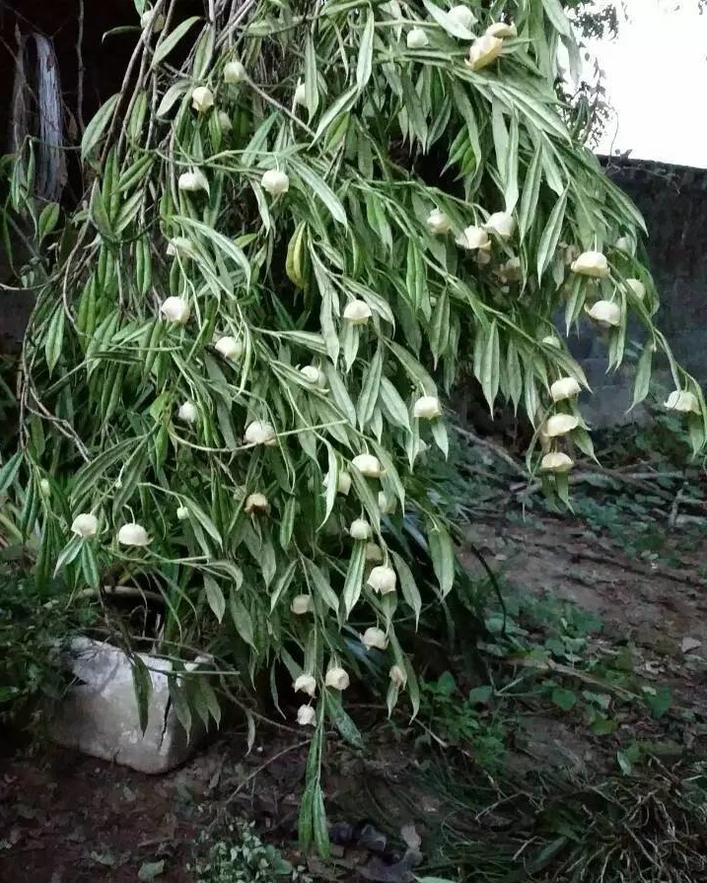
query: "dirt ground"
65, 818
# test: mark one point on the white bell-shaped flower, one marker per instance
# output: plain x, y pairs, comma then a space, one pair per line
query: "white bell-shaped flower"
357, 312
260, 432
565, 388
374, 638
45, 488
193, 182
502, 30
133, 534
473, 238
229, 347
305, 683
188, 412
313, 375
374, 553
591, 263
383, 579
275, 182
556, 461
360, 529
463, 16
438, 223
483, 52
337, 678
302, 604
397, 676
175, 309
300, 94
427, 408
560, 424
85, 525
605, 313
682, 400
417, 39
224, 121
257, 504
182, 513
368, 465
306, 716
387, 505
202, 99
637, 288
502, 224
151, 16
343, 482
234, 72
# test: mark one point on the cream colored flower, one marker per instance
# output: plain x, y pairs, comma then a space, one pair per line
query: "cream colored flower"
502, 30
374, 638
337, 678
565, 388
556, 462
591, 263
357, 312
306, 716
275, 182
300, 96
343, 482
483, 52
637, 287
150, 16
463, 16
302, 604
224, 121
234, 72
560, 424
438, 223
202, 99
682, 400
374, 553
472, 238
502, 224
417, 39
229, 347
360, 529
511, 270
45, 489
85, 525
427, 408
256, 504
182, 513
397, 676
305, 683
313, 375
383, 579
188, 412
605, 313
133, 534
368, 465
260, 432
193, 182
175, 309
385, 504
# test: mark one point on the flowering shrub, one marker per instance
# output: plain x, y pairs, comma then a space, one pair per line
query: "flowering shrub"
302, 219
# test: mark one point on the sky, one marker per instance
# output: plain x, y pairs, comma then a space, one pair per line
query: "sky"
656, 80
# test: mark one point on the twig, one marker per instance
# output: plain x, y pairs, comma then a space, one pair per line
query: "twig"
265, 765
81, 68
494, 448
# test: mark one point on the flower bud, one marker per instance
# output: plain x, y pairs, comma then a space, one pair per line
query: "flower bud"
305, 683
383, 579
560, 424
463, 16
181, 246
511, 270
188, 412
556, 462
360, 529
133, 534
623, 243
682, 400
368, 465
472, 238
637, 288
374, 553
300, 94
202, 99
224, 121
302, 604
417, 39
591, 263
438, 223
176, 309
337, 678
357, 312
257, 504
45, 488
605, 313
313, 375
427, 408
564, 388
502, 30
502, 224
260, 432
234, 72
193, 182
343, 482
306, 716
374, 639
483, 52
85, 525
182, 513
397, 676
229, 348
387, 506
149, 17
275, 182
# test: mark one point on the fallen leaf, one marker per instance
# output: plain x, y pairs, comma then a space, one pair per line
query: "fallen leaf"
410, 836
150, 870
689, 644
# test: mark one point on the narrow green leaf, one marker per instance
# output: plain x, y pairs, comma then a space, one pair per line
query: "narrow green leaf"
365, 52
551, 235
168, 43
95, 129
354, 578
